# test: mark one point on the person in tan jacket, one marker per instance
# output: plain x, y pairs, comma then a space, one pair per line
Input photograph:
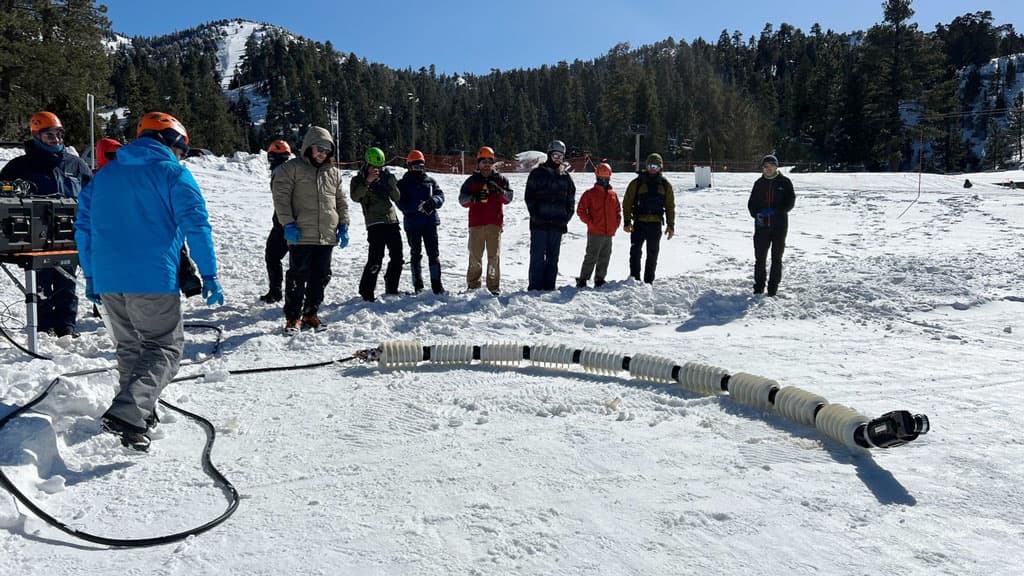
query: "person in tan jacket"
311, 206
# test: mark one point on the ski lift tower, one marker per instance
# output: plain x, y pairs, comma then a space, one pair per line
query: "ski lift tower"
638, 130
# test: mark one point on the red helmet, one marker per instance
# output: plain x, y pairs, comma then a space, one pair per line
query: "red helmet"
42, 121
415, 156
485, 152
169, 131
106, 150
604, 171
279, 147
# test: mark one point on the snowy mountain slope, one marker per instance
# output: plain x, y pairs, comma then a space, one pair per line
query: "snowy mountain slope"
486, 470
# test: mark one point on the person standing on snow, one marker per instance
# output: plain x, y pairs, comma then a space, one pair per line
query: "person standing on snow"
771, 199
311, 207
52, 171
376, 189
551, 199
276, 249
485, 193
106, 151
599, 209
649, 202
132, 220
420, 198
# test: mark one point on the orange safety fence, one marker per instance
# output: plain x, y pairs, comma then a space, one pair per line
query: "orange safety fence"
466, 164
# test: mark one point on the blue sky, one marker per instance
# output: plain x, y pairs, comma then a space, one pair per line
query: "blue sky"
477, 36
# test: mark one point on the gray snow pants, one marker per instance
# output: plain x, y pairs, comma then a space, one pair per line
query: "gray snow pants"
599, 252
147, 329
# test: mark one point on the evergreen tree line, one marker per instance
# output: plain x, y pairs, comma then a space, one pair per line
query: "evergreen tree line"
870, 99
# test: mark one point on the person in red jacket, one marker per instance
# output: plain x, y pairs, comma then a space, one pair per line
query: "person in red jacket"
600, 210
485, 193
106, 150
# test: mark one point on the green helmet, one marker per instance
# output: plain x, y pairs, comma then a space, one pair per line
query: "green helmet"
375, 157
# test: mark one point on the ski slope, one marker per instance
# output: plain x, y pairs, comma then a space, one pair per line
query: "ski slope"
485, 470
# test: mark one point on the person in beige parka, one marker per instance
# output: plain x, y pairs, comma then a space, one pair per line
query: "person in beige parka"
312, 208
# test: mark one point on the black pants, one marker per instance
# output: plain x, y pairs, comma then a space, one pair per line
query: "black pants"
419, 238
545, 247
648, 233
309, 272
379, 237
58, 308
277, 248
765, 239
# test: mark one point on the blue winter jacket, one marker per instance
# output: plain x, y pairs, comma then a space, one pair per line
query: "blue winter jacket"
415, 188
133, 217
52, 173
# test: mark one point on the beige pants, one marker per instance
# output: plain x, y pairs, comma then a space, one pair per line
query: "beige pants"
481, 237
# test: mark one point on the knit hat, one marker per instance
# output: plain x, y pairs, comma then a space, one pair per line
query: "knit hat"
770, 159
655, 158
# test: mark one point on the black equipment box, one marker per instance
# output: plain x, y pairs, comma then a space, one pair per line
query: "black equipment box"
30, 223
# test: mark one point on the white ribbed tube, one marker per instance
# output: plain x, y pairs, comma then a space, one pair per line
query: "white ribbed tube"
601, 361
701, 378
839, 423
451, 353
400, 354
501, 353
651, 368
752, 390
798, 405
557, 355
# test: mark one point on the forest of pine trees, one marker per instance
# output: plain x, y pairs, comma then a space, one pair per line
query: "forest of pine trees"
867, 99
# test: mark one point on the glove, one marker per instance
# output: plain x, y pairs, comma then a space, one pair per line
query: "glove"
212, 291
761, 220
90, 291
342, 235
292, 234
627, 228
669, 233
768, 212
427, 206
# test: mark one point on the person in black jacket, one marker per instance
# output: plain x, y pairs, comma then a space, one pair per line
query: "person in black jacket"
770, 201
276, 248
52, 171
551, 200
419, 198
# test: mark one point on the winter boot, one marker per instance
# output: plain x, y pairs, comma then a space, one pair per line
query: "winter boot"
272, 296
291, 326
312, 322
131, 436
598, 282
582, 283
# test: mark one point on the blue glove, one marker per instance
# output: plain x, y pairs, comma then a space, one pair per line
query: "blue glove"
342, 235
292, 234
768, 212
90, 291
212, 291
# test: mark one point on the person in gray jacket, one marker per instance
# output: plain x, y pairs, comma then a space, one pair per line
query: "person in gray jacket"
311, 206
376, 189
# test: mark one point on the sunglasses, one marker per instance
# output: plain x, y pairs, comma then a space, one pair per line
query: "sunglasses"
417, 166
55, 133
557, 155
654, 166
321, 149
487, 161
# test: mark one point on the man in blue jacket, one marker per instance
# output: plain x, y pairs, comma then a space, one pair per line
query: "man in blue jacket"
52, 171
420, 197
132, 220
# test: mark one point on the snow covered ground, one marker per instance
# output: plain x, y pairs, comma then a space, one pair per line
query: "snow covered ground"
481, 470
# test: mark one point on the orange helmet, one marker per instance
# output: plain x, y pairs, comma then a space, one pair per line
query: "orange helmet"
279, 147
603, 171
42, 121
106, 150
166, 128
485, 152
415, 156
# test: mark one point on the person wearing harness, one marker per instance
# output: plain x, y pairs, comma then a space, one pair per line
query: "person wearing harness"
132, 221
551, 200
649, 202
53, 171
771, 199
376, 189
599, 209
421, 197
278, 153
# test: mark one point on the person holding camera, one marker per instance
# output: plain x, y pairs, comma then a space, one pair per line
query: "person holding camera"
420, 198
52, 171
485, 193
376, 189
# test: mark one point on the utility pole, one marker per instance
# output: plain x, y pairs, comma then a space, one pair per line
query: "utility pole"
638, 130
412, 98
90, 105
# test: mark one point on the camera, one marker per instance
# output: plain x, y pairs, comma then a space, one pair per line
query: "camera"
893, 429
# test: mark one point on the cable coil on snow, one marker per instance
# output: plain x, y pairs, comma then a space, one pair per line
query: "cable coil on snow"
751, 390
798, 405
840, 423
702, 378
